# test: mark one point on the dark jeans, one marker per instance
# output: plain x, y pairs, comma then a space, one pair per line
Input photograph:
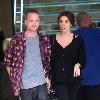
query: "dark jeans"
36, 93
89, 92
66, 92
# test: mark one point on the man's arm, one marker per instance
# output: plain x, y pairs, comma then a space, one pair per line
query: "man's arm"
8, 56
47, 62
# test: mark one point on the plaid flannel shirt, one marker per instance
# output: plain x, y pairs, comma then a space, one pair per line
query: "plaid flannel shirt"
14, 57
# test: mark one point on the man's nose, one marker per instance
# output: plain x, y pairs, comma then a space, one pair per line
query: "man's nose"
34, 22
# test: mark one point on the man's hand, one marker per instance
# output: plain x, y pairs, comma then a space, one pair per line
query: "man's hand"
8, 70
48, 83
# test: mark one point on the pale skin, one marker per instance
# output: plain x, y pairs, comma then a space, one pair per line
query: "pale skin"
65, 37
32, 23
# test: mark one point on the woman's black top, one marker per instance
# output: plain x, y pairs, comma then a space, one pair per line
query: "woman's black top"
64, 59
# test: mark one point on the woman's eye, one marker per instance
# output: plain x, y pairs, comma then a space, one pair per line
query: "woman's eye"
66, 21
60, 21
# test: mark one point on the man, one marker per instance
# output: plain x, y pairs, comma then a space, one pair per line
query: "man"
91, 84
27, 60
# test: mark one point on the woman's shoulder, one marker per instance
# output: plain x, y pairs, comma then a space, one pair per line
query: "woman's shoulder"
77, 36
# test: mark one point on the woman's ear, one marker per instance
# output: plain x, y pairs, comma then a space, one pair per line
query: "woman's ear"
70, 25
25, 23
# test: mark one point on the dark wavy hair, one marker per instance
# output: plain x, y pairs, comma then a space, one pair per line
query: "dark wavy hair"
69, 15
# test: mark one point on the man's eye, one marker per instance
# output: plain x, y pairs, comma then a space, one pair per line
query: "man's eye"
31, 20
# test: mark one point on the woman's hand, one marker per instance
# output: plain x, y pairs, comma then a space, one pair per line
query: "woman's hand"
77, 70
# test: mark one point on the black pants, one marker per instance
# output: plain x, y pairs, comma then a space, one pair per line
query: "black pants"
6, 92
89, 93
66, 92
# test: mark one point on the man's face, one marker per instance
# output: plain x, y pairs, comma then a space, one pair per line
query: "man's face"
32, 22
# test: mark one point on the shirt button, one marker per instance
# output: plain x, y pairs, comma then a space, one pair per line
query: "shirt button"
63, 69
62, 62
63, 55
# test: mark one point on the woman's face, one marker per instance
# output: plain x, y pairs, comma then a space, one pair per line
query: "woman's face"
64, 24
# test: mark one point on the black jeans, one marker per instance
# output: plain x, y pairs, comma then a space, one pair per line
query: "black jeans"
66, 92
89, 92
36, 93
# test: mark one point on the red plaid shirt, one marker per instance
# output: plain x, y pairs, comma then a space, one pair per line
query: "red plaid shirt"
14, 57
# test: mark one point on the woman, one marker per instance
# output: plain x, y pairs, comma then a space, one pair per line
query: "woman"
68, 58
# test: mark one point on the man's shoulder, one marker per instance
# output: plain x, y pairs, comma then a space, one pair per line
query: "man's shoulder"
17, 37
96, 29
83, 30
20, 35
76, 31
43, 35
